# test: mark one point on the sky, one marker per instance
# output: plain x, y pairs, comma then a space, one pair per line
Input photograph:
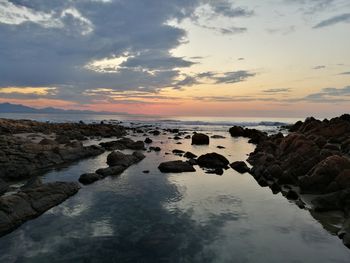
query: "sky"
245, 58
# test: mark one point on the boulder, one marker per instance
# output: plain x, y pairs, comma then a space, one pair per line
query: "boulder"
148, 140
200, 139
120, 159
89, 178
240, 167
110, 171
190, 155
176, 167
212, 160
236, 131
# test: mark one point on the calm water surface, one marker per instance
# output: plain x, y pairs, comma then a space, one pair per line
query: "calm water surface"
189, 217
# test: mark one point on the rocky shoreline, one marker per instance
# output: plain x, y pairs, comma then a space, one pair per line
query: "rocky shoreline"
310, 165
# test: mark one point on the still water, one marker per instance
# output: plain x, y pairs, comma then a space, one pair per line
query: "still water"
189, 217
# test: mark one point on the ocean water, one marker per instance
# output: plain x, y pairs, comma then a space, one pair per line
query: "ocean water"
188, 217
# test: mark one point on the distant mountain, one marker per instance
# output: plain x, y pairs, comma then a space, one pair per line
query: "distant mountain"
18, 108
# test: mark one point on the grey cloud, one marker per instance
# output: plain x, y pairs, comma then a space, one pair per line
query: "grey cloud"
343, 18
233, 30
345, 73
282, 90
225, 8
233, 77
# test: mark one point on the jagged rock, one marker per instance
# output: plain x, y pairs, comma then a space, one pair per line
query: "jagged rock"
122, 144
176, 167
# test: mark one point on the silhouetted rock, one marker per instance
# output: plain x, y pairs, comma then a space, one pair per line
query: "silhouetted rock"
148, 140
240, 167
190, 155
120, 159
200, 139
89, 178
176, 167
212, 160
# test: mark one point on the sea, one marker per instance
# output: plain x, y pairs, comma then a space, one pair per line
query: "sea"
187, 217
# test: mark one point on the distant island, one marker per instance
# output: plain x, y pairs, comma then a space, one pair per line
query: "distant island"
18, 108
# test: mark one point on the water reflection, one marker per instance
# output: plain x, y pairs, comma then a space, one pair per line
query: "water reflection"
190, 217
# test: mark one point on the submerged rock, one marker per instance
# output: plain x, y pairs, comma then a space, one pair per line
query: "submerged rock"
200, 139
176, 167
212, 160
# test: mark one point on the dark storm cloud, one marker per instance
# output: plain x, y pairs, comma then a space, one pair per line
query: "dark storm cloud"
49, 43
343, 18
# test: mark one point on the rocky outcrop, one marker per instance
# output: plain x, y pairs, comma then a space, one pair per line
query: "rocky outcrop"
20, 158
314, 157
17, 208
72, 131
118, 162
122, 144
200, 139
212, 161
176, 167
254, 135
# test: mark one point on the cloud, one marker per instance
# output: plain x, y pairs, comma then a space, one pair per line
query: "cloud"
233, 77
319, 67
343, 18
345, 73
282, 90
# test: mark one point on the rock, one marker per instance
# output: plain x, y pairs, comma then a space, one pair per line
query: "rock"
176, 167
220, 147
62, 139
32, 183
217, 137
240, 167
200, 139
120, 159
292, 195
190, 155
177, 138
17, 208
146, 171
155, 149
148, 140
3, 187
155, 132
188, 137
236, 131
89, 178
212, 160
323, 174
111, 171
178, 152
47, 142
122, 144
218, 171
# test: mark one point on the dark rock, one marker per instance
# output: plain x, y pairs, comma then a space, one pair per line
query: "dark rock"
190, 155
17, 208
220, 147
3, 187
178, 152
120, 159
155, 149
217, 137
236, 131
200, 139
218, 171
212, 160
122, 144
32, 183
148, 140
177, 138
176, 167
146, 171
292, 195
111, 171
240, 167
89, 178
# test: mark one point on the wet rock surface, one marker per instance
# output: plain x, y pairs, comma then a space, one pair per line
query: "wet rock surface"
17, 208
212, 160
200, 139
240, 167
176, 167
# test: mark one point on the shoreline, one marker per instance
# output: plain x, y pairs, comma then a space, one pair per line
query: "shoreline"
261, 139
